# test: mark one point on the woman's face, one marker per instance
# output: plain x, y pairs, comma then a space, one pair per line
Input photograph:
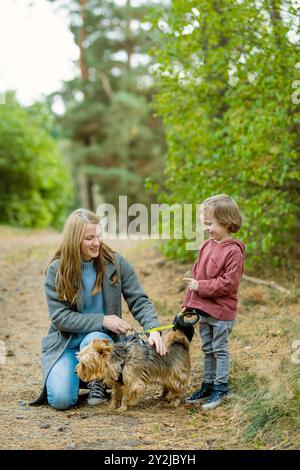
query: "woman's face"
90, 244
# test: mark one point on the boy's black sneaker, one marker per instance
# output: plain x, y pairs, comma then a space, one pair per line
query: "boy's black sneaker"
215, 399
200, 394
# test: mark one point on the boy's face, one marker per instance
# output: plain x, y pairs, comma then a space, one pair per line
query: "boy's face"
215, 231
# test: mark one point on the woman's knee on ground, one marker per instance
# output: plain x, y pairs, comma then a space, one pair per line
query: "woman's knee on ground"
61, 400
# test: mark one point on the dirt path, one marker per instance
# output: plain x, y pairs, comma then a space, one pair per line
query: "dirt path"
151, 425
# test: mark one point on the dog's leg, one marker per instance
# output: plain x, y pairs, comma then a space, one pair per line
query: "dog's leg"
164, 393
175, 397
131, 394
175, 391
116, 396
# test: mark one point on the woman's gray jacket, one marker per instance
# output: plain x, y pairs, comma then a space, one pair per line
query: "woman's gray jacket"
67, 320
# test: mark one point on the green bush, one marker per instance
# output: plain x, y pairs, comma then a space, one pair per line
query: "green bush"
35, 183
226, 73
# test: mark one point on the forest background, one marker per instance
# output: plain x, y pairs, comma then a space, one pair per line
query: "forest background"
173, 101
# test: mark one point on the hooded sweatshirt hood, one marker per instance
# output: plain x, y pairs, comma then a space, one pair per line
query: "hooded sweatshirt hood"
233, 242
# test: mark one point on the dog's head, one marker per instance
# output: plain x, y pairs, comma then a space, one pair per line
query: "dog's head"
93, 360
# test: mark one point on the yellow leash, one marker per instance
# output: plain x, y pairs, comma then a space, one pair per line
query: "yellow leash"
159, 328
164, 327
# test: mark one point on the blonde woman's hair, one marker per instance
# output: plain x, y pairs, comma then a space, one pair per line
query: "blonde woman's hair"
68, 276
225, 210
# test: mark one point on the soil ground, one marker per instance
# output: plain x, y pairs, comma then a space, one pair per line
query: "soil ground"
256, 345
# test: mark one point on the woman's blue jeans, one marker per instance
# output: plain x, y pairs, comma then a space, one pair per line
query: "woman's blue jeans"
62, 383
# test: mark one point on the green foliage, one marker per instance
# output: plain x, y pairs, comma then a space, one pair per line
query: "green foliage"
35, 186
225, 72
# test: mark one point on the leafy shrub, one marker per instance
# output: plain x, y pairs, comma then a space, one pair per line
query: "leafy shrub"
35, 182
226, 73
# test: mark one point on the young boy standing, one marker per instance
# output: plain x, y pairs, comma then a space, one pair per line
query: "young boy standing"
212, 291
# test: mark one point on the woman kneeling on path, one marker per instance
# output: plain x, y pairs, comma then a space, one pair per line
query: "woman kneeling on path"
83, 285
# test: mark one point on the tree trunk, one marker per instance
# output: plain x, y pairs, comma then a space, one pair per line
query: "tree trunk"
82, 36
83, 190
270, 284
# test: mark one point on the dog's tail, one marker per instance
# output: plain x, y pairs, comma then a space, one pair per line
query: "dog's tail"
177, 337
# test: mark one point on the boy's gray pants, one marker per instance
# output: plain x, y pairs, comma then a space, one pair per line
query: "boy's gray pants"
214, 335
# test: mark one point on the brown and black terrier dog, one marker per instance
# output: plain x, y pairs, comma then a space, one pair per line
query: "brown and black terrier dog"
127, 367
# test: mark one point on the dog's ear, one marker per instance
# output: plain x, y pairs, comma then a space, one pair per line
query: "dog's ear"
96, 343
102, 346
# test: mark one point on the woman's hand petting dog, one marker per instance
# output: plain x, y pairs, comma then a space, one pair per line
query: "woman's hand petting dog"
156, 339
116, 324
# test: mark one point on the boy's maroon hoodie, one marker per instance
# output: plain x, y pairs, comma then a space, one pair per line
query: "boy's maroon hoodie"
218, 270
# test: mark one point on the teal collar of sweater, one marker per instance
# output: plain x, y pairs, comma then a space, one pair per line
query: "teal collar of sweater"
87, 266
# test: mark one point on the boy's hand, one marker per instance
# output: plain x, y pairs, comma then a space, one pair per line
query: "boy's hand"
192, 283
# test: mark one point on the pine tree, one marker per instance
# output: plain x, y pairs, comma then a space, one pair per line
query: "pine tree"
116, 143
